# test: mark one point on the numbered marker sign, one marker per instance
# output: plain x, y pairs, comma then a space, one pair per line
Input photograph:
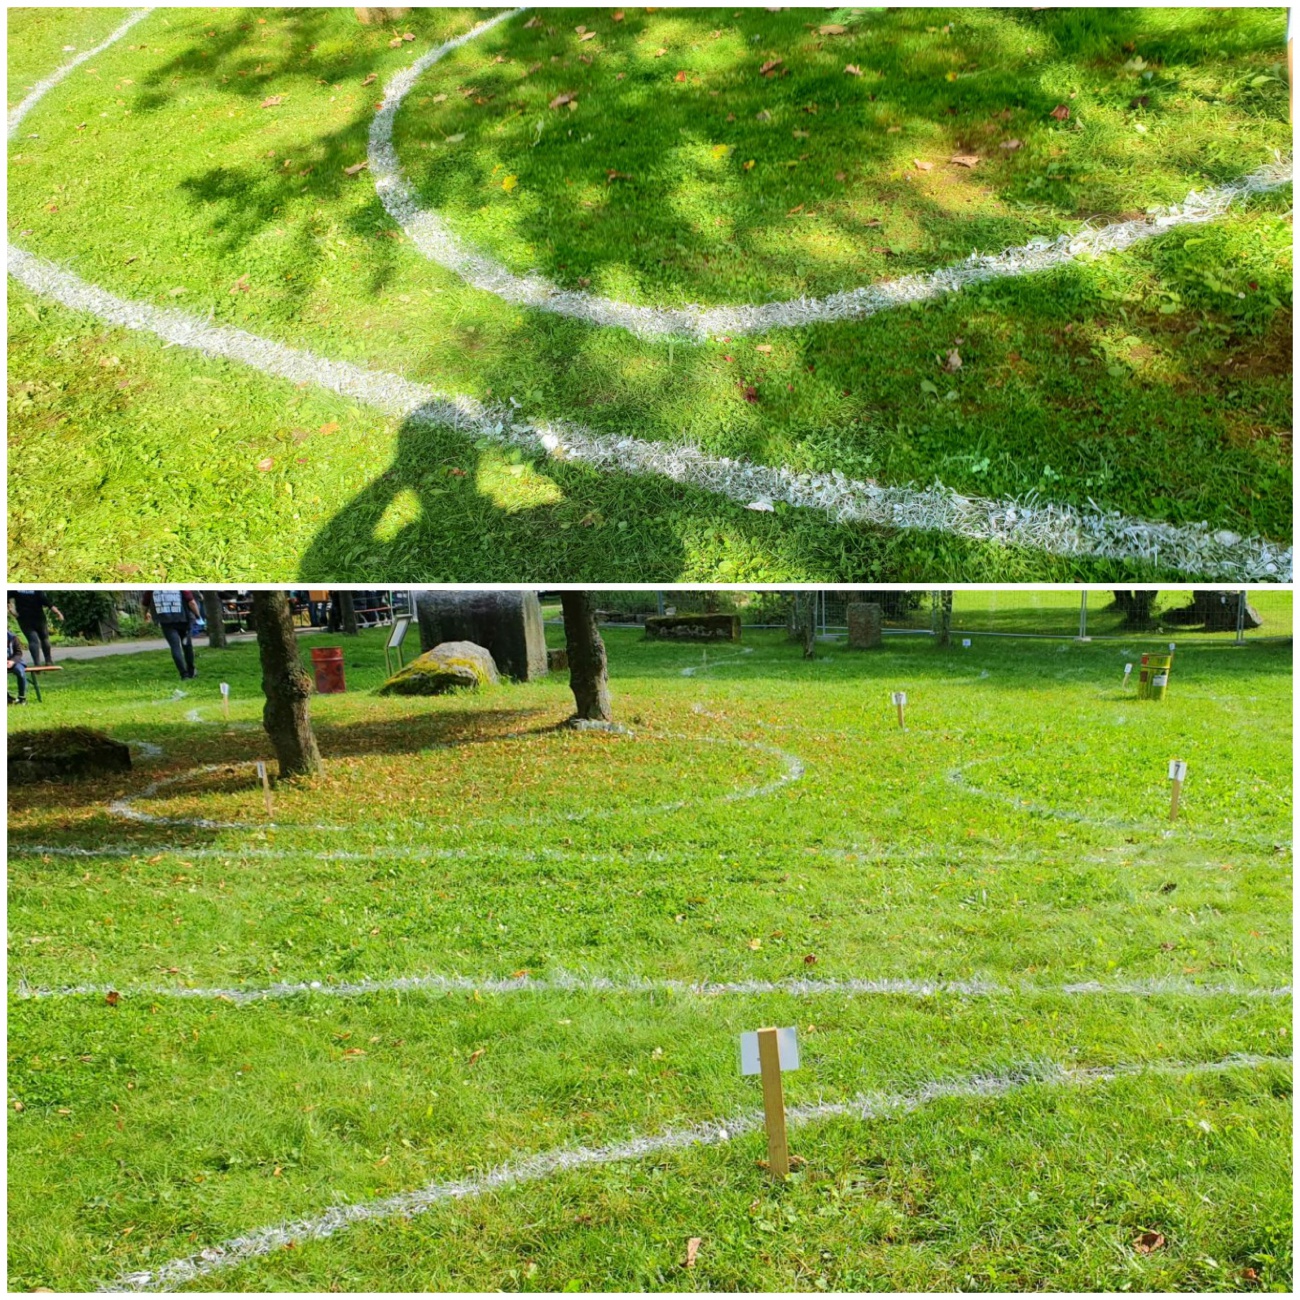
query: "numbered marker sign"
900, 697
225, 690
261, 772
1128, 668
1177, 770
965, 643
787, 1051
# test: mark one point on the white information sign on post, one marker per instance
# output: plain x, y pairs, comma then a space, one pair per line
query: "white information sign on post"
1177, 774
225, 700
965, 643
266, 786
787, 1046
900, 700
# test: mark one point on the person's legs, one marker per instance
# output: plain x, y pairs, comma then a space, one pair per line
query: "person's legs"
31, 634
187, 644
20, 672
174, 632
43, 632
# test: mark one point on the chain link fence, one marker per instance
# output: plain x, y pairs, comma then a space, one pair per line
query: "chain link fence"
1222, 613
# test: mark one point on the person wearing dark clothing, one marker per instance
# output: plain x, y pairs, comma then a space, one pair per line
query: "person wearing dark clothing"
173, 611
29, 609
14, 664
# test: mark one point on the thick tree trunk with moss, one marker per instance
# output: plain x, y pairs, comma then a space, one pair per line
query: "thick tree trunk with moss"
347, 612
287, 714
215, 614
945, 617
588, 667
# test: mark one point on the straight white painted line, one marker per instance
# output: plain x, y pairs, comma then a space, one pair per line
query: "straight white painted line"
434, 238
561, 982
863, 1107
43, 87
1057, 529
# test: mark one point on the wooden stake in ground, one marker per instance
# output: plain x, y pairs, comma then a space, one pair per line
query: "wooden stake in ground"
1177, 774
266, 787
900, 699
767, 1052
225, 700
1128, 672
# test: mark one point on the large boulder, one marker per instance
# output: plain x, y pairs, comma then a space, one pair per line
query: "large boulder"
507, 623
454, 665
64, 754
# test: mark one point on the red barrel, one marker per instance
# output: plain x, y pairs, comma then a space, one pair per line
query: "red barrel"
328, 666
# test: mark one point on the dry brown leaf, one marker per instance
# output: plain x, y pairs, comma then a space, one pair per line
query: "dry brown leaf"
841, 176
853, 70
272, 101
1061, 113
769, 68
266, 463
800, 135
613, 175
534, 21
587, 36
18, 1105
331, 427
832, 29
763, 347
692, 1250
923, 166
369, 78
755, 944
356, 167
408, 36
1145, 1242
617, 15
810, 959
566, 98
112, 997
965, 159
475, 1054
953, 363
659, 54
394, 43
241, 285
797, 208
1010, 145
892, 130
681, 76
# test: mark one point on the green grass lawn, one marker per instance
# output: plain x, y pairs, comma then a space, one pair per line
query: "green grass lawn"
464, 836
1155, 382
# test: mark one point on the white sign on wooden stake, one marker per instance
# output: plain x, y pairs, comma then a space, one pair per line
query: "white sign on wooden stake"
787, 1045
900, 699
767, 1052
1177, 770
225, 700
965, 643
266, 786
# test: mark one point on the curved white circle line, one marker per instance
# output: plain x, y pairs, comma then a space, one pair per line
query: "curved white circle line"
431, 235
1196, 549
862, 1106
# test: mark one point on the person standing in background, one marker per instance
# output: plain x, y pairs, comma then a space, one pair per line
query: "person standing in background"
29, 608
174, 612
14, 664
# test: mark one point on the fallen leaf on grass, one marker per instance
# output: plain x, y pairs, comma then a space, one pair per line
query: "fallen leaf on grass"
454, 139
843, 176
659, 54
953, 364
534, 21
354, 1051
797, 208
241, 285
356, 167
853, 70
475, 1054
509, 183
272, 101
1060, 112
18, 1105
965, 159
586, 36
800, 135
1140, 102
763, 347
1012, 144
810, 959
613, 175
923, 166
568, 97
892, 130
112, 997
832, 29
394, 43
755, 944
331, 427
266, 464
1145, 1242
692, 1250
369, 78
617, 15
769, 68
749, 166
681, 76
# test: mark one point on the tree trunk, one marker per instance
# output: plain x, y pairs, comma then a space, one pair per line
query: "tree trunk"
215, 613
945, 617
588, 674
805, 621
287, 714
347, 612
1138, 608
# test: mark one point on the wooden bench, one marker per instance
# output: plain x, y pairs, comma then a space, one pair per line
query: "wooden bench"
34, 674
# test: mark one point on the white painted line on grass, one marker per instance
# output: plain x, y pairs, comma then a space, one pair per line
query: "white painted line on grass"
1057, 529
435, 239
863, 1107
562, 982
43, 87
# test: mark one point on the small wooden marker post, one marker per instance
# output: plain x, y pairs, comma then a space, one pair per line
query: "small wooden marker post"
1128, 672
1177, 774
225, 700
900, 699
266, 787
767, 1052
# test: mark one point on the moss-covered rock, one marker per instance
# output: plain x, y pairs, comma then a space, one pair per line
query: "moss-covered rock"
453, 665
63, 754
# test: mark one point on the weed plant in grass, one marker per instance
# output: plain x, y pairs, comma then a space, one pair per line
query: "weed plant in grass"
1155, 382
476, 840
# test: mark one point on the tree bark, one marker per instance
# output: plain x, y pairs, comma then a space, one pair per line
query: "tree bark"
945, 617
347, 612
588, 667
287, 714
805, 621
1138, 608
215, 614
